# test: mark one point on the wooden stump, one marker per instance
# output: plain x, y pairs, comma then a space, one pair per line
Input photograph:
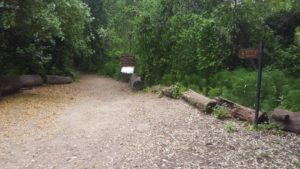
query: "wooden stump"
53, 79
241, 112
136, 82
31, 80
199, 101
289, 121
9, 85
167, 91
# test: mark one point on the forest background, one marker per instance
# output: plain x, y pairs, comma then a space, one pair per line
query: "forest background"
191, 43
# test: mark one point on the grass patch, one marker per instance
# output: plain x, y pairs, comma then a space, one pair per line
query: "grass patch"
230, 127
221, 113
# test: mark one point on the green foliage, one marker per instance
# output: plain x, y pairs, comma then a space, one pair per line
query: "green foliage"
221, 112
292, 101
230, 127
268, 126
177, 89
195, 43
111, 69
240, 86
50, 36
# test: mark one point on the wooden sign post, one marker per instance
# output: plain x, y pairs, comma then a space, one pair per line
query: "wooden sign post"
253, 53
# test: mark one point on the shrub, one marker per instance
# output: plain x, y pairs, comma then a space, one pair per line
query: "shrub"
230, 127
292, 101
221, 112
177, 89
167, 79
111, 69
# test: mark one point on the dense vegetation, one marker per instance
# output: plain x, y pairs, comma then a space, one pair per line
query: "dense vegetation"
193, 43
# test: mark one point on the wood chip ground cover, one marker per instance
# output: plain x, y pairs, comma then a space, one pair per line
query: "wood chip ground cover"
100, 123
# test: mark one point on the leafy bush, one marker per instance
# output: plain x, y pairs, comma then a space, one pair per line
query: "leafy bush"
240, 86
221, 112
292, 101
177, 89
230, 127
111, 69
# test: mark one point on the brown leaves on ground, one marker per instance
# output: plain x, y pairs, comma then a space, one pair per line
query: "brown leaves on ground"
18, 109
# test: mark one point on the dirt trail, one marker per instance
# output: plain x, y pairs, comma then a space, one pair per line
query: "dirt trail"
99, 123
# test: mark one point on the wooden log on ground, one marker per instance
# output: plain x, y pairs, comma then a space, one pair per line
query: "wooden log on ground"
136, 82
199, 101
167, 91
53, 79
9, 85
241, 112
289, 121
31, 80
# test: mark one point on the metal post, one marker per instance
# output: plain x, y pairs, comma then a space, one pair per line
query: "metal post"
259, 78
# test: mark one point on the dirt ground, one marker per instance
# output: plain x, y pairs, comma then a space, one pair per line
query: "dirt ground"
99, 123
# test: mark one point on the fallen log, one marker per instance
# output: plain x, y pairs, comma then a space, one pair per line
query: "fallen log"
199, 101
53, 79
136, 82
289, 121
167, 91
241, 112
9, 85
31, 80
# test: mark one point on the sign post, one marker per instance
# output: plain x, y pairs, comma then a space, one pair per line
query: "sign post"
259, 78
253, 53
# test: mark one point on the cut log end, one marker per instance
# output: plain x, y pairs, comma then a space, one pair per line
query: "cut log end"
136, 83
289, 121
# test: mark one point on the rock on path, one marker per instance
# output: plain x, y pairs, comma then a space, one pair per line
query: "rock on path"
99, 123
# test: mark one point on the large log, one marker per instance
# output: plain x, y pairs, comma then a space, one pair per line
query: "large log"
136, 82
167, 91
289, 121
199, 101
241, 112
53, 79
31, 80
9, 84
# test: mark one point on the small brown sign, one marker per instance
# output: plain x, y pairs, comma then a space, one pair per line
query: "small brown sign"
251, 53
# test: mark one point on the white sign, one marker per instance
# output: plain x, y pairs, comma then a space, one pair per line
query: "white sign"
127, 70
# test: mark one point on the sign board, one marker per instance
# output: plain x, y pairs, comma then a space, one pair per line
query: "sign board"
127, 70
251, 53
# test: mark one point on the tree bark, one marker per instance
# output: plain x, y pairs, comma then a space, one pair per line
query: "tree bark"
241, 112
289, 121
167, 91
199, 101
9, 85
53, 79
31, 80
136, 82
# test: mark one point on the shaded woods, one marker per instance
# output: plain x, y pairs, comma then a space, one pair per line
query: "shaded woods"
192, 43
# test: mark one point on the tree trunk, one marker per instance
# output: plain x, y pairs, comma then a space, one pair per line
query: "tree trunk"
136, 82
9, 84
31, 80
199, 101
53, 79
289, 121
241, 112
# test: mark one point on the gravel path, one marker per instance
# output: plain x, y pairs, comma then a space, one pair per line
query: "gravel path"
99, 123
